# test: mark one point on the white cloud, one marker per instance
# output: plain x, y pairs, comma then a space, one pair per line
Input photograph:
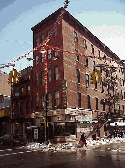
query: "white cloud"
113, 37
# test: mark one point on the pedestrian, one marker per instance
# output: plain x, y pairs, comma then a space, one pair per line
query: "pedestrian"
83, 140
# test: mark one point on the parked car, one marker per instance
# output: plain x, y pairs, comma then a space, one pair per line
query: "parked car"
12, 140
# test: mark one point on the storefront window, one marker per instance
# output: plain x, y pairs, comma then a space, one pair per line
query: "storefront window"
64, 129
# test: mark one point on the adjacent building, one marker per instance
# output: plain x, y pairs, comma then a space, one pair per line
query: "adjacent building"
21, 109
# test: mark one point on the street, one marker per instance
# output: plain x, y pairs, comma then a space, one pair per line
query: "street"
103, 156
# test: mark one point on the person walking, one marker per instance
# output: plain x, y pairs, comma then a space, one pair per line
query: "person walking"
83, 140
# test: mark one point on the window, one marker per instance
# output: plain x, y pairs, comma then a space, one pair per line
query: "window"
37, 101
85, 44
27, 107
108, 88
49, 53
42, 57
42, 78
114, 108
92, 49
79, 99
42, 39
56, 73
121, 95
43, 101
123, 81
98, 53
36, 79
49, 75
48, 32
36, 41
75, 37
37, 60
78, 75
87, 80
120, 82
89, 103
93, 65
113, 90
56, 98
101, 69
96, 86
104, 105
96, 99
77, 56
86, 61
49, 99
21, 91
102, 87
123, 108
55, 31
55, 52
28, 89
106, 73
21, 108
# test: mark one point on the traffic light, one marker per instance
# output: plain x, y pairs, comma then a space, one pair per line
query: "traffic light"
10, 77
93, 78
15, 75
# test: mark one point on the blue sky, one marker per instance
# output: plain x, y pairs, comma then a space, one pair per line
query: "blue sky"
105, 19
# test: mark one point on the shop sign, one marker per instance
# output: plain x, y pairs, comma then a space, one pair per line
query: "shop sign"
64, 93
87, 129
35, 133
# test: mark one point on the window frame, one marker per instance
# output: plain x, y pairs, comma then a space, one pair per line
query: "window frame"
75, 37
79, 99
55, 52
89, 101
43, 103
86, 61
48, 32
77, 56
49, 75
84, 42
42, 78
55, 31
92, 49
57, 98
96, 99
37, 102
36, 60
78, 76
56, 74
48, 54
42, 57
27, 107
87, 80
36, 41
42, 39
36, 79
49, 97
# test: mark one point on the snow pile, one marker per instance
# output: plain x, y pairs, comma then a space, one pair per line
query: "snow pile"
73, 145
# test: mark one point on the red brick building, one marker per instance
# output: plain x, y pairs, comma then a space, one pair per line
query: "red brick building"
21, 106
69, 89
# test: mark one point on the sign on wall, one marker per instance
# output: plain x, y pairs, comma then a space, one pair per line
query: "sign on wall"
64, 93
